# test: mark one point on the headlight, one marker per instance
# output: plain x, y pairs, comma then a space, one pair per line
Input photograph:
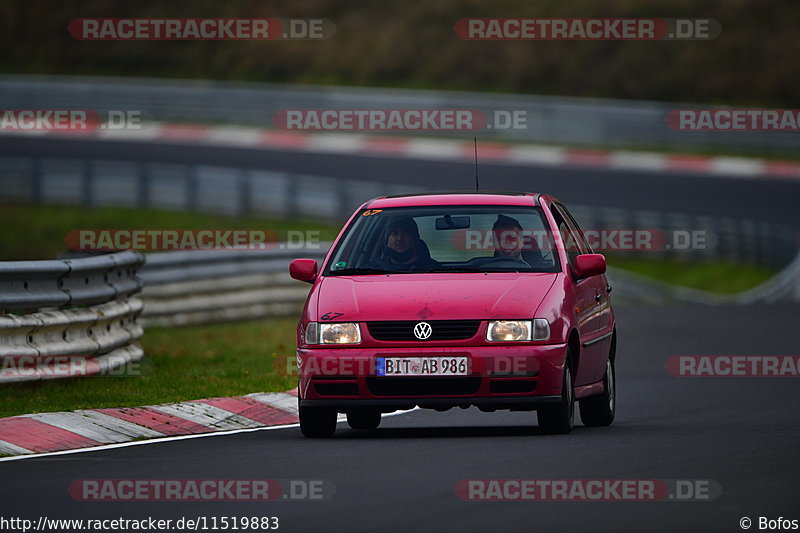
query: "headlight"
338, 333
518, 330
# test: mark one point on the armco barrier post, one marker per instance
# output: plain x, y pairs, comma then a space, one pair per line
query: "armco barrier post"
87, 183
143, 188
36, 181
191, 187
244, 207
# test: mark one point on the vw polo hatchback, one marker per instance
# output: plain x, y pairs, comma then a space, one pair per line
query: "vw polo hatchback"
492, 300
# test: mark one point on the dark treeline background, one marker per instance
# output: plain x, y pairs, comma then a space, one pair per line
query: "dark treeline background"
411, 43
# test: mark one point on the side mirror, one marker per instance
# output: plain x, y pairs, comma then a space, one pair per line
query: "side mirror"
588, 265
305, 269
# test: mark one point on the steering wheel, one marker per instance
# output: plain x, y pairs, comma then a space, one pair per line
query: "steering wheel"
508, 258
499, 259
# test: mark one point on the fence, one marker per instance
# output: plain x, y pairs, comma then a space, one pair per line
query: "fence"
550, 119
71, 317
208, 189
243, 192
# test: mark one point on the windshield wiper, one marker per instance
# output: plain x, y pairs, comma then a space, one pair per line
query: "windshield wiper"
450, 269
481, 268
362, 270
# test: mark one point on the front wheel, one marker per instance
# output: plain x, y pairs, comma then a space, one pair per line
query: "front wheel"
317, 422
560, 418
599, 410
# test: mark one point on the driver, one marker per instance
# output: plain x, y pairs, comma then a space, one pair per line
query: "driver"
404, 249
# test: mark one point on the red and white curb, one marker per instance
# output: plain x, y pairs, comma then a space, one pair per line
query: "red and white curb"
439, 149
54, 432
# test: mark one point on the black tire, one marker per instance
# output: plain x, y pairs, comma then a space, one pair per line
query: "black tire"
560, 418
599, 410
364, 418
317, 422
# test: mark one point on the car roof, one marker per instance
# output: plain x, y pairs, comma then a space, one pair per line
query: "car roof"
455, 198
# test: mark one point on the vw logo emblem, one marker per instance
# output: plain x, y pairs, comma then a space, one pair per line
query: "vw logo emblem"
422, 330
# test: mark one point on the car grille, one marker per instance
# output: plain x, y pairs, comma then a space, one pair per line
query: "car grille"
430, 386
442, 330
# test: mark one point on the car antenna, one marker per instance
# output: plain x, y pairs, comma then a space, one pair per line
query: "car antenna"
477, 188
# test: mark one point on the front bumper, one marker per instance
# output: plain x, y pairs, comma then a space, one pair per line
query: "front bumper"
518, 377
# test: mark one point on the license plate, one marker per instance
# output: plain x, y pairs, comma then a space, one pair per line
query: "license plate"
422, 366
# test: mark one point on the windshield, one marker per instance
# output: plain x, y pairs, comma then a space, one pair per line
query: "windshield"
446, 239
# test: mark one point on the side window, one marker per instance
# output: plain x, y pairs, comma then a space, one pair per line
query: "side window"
571, 243
576, 229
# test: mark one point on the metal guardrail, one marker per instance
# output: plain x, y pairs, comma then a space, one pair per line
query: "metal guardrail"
189, 288
736, 240
26, 285
164, 268
550, 119
199, 287
82, 312
185, 288
631, 287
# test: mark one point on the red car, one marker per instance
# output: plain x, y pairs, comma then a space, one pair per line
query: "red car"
491, 300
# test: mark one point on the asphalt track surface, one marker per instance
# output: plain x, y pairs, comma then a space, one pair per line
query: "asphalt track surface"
739, 432
769, 200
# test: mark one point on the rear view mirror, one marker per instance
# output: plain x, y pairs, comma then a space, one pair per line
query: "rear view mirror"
303, 270
448, 222
588, 265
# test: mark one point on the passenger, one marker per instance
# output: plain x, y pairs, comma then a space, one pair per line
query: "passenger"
507, 237
509, 241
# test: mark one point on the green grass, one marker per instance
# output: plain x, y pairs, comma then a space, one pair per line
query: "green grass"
180, 364
718, 277
38, 232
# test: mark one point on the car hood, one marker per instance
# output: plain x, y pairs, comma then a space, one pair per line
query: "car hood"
433, 296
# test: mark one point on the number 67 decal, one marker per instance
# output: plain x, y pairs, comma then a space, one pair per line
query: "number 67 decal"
330, 316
